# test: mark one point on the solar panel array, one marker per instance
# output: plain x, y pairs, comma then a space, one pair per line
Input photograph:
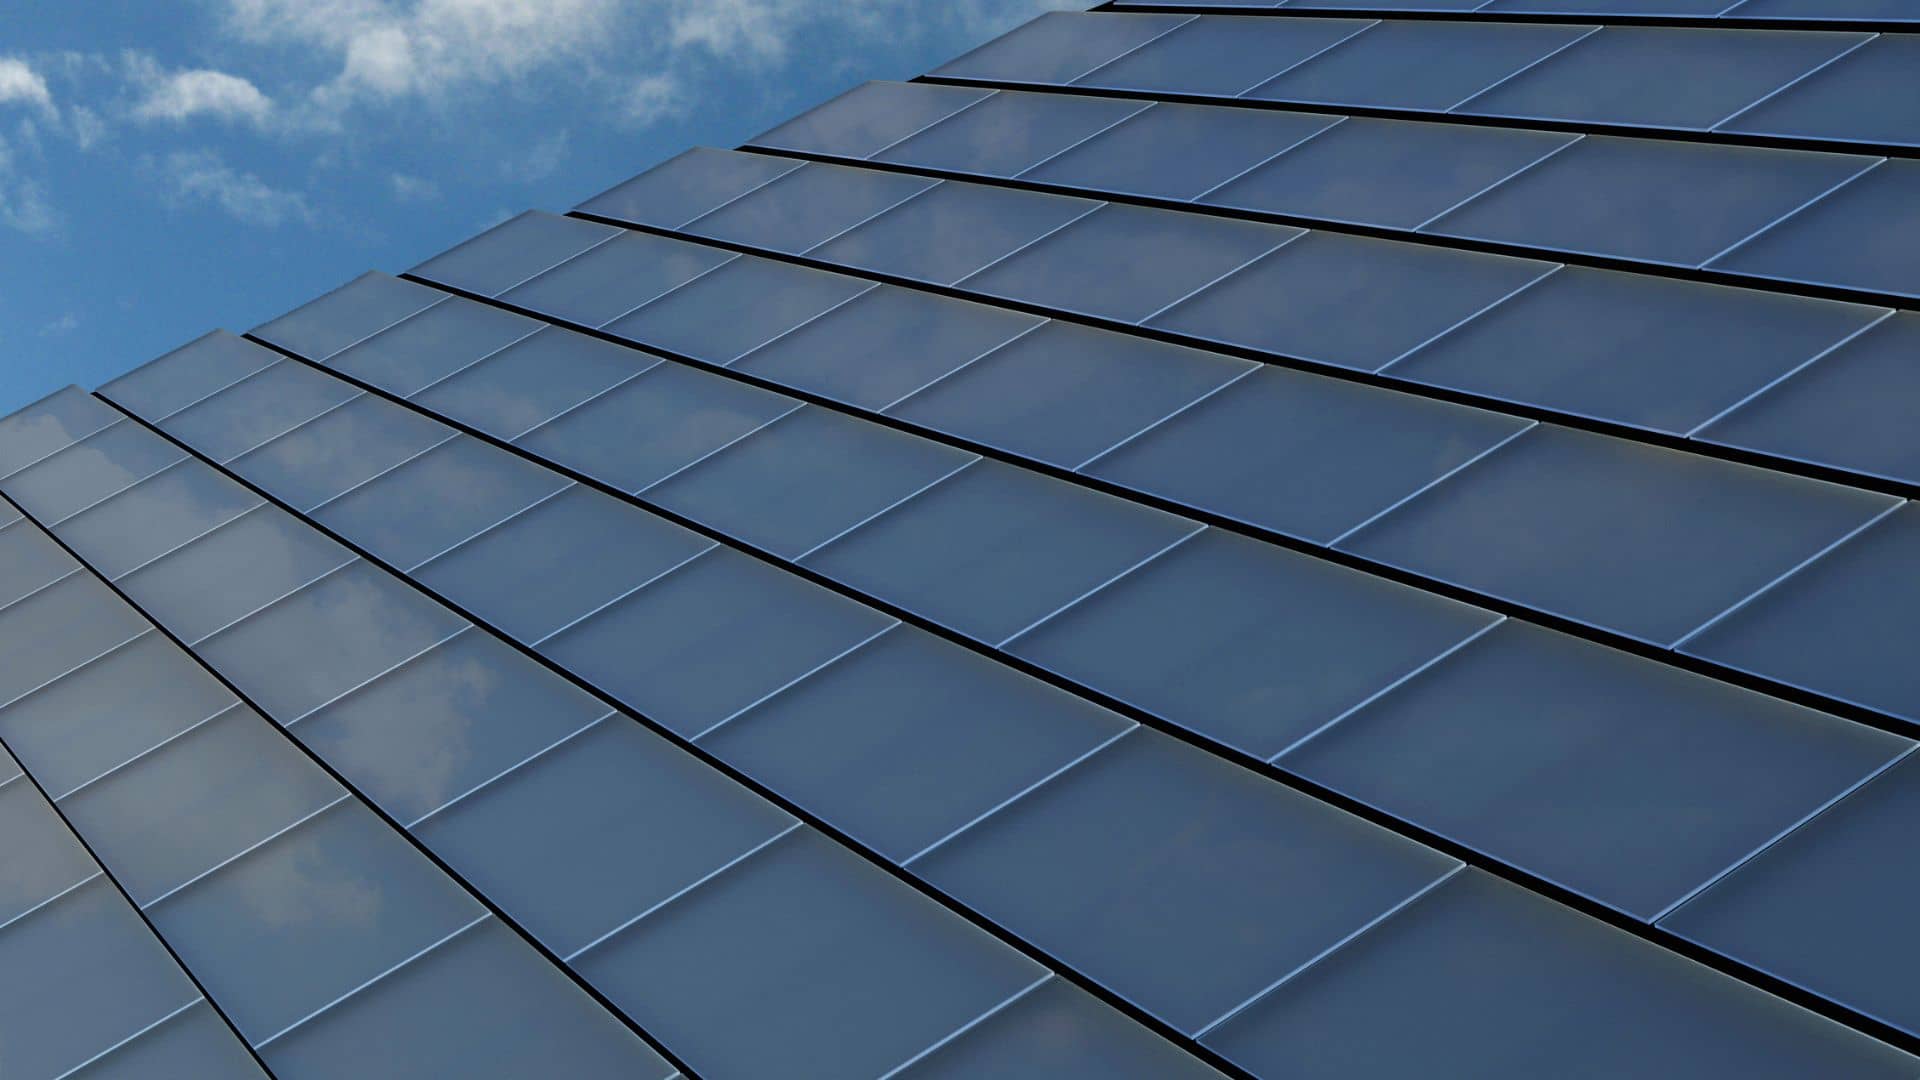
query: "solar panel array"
1266, 539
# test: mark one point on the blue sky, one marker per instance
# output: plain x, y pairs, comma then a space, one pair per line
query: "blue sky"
168, 166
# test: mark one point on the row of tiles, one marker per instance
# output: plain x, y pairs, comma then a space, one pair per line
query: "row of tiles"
334, 947
1891, 11
1653, 544
1848, 87
1225, 589
329, 938
1236, 846
1665, 1018
1790, 377
90, 994
1744, 209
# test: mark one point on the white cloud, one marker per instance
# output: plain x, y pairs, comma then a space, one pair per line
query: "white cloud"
21, 84
62, 326
202, 176
413, 188
653, 98
87, 126
540, 160
24, 206
428, 47
180, 95
640, 55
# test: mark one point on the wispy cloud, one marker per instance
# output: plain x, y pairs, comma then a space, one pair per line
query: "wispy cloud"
21, 84
181, 95
428, 48
641, 55
540, 160
413, 188
654, 98
204, 177
24, 206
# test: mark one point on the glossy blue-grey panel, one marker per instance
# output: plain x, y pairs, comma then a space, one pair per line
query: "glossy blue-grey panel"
1844, 626
366, 305
1864, 236
432, 345
1613, 7
616, 277
884, 345
192, 1043
1302, 454
1483, 978
58, 629
437, 500
339, 450
1621, 779
444, 723
532, 381
654, 425
1853, 409
561, 559
1386, 172
711, 638
1059, 46
101, 716
196, 802
995, 548
836, 969
910, 738
327, 639
1251, 645
1010, 133
1894, 11
683, 188
56, 421
1066, 393
736, 309
237, 568
482, 1004
952, 231
1659, 200
1652, 352
310, 916
513, 251
1128, 262
29, 560
1179, 151
264, 405
1420, 65
577, 843
805, 479
90, 470
869, 118
1661, 76
87, 974
1222, 55
1352, 301
44, 858
176, 380
1385, 5
1058, 1032
1825, 909
1648, 542
807, 206
1184, 883
1870, 95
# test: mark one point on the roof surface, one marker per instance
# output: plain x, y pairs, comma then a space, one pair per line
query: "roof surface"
1266, 539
